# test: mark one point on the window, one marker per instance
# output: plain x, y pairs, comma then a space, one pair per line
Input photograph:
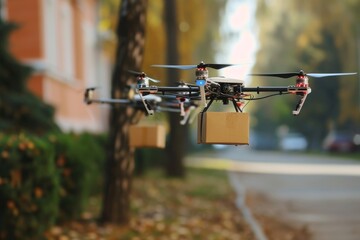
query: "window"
3, 13
59, 39
67, 39
50, 34
89, 36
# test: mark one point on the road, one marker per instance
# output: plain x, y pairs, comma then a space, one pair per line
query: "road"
319, 192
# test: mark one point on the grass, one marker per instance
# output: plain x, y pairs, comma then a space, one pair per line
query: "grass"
345, 155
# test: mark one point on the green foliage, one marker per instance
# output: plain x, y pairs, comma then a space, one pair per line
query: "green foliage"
10, 68
315, 37
29, 187
146, 158
80, 160
20, 110
44, 180
25, 112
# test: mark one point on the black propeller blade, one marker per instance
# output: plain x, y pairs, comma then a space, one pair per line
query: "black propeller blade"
301, 73
280, 75
200, 65
218, 66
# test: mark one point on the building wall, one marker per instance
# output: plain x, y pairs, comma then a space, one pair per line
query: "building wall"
59, 39
26, 42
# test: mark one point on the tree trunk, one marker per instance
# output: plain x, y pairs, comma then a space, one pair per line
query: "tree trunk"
120, 159
176, 146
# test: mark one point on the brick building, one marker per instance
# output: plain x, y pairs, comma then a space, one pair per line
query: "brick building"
59, 39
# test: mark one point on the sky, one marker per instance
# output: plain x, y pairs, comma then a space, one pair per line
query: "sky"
239, 18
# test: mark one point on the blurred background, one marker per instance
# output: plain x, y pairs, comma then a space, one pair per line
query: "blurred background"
52, 50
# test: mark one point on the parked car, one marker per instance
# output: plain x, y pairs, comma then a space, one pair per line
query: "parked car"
340, 142
263, 141
293, 142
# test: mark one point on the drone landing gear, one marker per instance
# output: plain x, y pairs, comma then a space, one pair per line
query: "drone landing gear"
236, 105
299, 105
146, 105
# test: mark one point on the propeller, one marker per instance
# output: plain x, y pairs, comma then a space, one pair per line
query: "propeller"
301, 73
142, 75
200, 65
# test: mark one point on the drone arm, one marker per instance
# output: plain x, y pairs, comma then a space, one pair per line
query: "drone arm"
163, 90
168, 109
106, 100
266, 89
303, 91
195, 90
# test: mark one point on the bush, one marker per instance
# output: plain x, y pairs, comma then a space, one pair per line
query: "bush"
29, 187
44, 180
79, 159
147, 158
20, 109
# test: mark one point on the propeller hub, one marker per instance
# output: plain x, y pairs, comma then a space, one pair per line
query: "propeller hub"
201, 73
201, 65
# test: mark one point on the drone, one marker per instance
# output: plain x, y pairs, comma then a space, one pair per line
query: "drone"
146, 102
233, 90
185, 98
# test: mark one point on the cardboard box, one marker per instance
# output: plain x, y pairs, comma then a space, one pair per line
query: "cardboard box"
153, 136
223, 128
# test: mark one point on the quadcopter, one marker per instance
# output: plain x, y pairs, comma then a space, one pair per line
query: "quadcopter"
184, 98
233, 90
187, 98
146, 102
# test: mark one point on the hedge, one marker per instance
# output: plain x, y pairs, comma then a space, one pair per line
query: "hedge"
29, 187
44, 180
80, 161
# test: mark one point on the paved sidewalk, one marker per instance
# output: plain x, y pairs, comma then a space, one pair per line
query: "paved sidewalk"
320, 193
224, 164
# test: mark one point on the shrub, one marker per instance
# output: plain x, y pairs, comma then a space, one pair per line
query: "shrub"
147, 158
79, 159
20, 109
29, 187
44, 180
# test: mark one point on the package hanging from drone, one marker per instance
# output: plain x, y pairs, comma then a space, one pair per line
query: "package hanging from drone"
151, 136
223, 128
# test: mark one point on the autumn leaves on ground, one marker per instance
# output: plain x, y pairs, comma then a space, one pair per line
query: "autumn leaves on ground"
202, 206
